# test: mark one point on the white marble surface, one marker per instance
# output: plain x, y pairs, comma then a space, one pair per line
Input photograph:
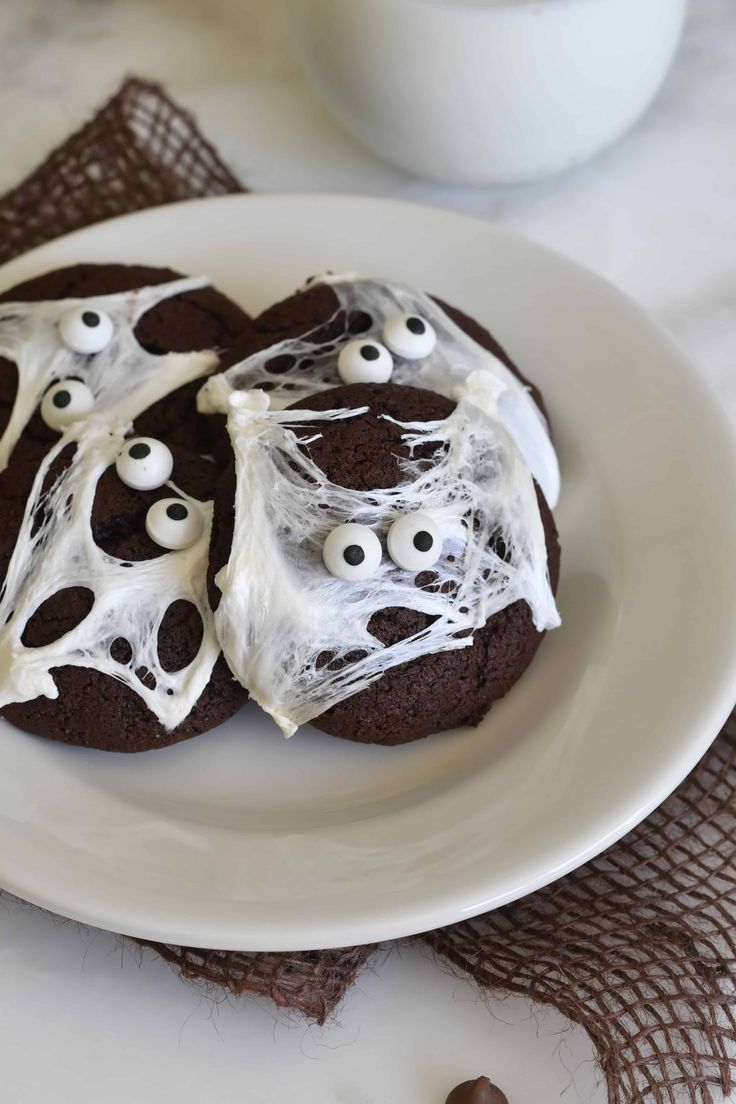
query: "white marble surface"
82, 1019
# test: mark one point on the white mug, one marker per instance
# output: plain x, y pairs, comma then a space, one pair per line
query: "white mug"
486, 91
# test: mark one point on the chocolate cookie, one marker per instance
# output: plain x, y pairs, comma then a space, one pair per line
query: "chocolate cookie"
347, 329
444, 689
191, 320
373, 536
105, 612
120, 341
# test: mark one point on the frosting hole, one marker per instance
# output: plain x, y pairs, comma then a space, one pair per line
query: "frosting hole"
179, 636
279, 364
8, 390
57, 616
146, 677
359, 322
121, 651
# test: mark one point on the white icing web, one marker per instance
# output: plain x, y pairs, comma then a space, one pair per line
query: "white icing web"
129, 601
282, 614
312, 366
124, 379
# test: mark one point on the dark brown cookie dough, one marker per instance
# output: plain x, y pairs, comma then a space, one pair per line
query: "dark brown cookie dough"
223, 524
365, 452
193, 321
93, 709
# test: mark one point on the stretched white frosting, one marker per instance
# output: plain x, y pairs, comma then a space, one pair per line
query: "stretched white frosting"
281, 611
129, 601
124, 379
454, 358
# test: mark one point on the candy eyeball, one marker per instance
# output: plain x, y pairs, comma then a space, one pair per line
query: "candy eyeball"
365, 362
85, 330
352, 552
414, 541
65, 402
144, 463
409, 336
174, 524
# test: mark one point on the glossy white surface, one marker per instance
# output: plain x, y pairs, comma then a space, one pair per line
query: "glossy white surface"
241, 840
486, 93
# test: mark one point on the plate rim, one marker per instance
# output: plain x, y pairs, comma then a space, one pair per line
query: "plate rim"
444, 912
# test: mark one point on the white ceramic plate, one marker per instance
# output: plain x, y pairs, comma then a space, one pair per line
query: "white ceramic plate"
241, 840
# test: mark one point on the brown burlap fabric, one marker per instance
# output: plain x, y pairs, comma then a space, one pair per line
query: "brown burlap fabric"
139, 150
639, 945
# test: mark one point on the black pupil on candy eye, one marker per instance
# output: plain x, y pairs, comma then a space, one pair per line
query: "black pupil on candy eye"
91, 319
423, 541
369, 352
415, 325
176, 512
61, 399
139, 451
353, 555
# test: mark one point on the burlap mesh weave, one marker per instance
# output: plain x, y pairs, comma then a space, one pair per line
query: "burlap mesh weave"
139, 150
639, 945
309, 982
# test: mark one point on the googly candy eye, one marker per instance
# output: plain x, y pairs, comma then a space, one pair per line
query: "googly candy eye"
352, 552
144, 463
85, 330
65, 402
409, 336
365, 362
174, 524
414, 541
